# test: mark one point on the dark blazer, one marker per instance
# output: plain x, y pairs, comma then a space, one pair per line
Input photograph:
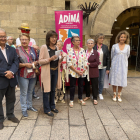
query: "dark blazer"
106, 58
94, 62
12, 65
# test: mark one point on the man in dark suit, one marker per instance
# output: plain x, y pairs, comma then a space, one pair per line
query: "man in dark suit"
8, 67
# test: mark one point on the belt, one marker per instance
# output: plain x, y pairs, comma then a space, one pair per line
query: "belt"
54, 68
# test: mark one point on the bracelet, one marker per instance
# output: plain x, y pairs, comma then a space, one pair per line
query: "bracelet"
33, 65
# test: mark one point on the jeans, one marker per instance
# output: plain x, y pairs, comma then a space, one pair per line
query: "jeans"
101, 80
72, 87
26, 89
48, 97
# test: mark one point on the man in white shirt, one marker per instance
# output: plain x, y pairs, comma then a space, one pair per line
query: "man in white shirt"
9, 65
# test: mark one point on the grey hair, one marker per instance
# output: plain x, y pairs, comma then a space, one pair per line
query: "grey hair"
61, 42
98, 36
90, 40
2, 30
9, 37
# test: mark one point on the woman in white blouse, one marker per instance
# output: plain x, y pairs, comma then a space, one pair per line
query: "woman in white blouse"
77, 64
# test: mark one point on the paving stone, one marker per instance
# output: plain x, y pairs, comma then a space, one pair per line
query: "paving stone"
76, 117
116, 133
18, 115
92, 119
44, 119
6, 133
137, 107
63, 113
106, 116
130, 129
119, 113
60, 130
41, 132
78, 133
134, 115
24, 130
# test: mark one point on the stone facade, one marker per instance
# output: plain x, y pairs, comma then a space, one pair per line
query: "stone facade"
39, 14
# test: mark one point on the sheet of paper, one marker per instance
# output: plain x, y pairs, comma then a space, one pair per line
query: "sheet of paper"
57, 53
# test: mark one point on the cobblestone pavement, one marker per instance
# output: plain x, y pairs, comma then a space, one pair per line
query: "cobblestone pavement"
106, 121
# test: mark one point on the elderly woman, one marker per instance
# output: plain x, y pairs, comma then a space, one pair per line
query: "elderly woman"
93, 72
26, 75
104, 61
77, 64
50, 72
119, 63
59, 96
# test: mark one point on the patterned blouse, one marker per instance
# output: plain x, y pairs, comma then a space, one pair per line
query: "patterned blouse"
72, 58
24, 57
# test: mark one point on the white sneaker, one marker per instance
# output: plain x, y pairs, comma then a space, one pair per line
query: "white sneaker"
101, 97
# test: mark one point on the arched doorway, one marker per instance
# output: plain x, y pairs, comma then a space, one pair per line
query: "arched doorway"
129, 20
104, 18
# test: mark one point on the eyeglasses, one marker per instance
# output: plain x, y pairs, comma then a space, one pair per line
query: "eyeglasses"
77, 40
90, 43
3, 37
24, 39
53, 37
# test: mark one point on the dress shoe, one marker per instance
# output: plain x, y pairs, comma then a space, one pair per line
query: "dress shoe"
32, 109
13, 119
55, 110
24, 113
50, 114
1, 125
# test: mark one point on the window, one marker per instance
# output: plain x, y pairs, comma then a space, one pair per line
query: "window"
67, 5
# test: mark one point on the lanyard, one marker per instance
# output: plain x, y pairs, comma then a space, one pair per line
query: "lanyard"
87, 55
27, 55
76, 55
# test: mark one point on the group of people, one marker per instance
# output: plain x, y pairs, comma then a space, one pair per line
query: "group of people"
81, 66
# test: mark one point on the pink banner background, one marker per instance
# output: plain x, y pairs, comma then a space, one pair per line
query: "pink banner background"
69, 23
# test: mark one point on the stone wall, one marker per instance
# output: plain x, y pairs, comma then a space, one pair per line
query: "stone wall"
39, 14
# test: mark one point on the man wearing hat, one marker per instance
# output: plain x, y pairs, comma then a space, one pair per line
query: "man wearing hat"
25, 29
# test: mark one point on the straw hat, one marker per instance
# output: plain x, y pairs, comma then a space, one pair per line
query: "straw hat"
24, 26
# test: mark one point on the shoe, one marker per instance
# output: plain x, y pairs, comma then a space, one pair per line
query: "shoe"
63, 101
32, 109
71, 104
24, 113
1, 125
86, 98
36, 97
119, 97
101, 97
114, 97
50, 114
81, 102
95, 102
13, 119
55, 110
17, 88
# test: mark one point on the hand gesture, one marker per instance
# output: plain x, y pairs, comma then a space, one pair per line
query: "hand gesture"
53, 57
9, 74
28, 65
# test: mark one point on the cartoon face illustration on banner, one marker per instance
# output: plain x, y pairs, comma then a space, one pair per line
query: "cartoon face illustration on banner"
65, 35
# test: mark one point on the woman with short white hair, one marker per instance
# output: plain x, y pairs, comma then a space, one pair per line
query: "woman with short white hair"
93, 72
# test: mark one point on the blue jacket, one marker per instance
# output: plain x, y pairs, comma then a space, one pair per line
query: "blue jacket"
12, 65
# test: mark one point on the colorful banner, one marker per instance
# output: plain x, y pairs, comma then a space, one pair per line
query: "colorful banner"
69, 23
